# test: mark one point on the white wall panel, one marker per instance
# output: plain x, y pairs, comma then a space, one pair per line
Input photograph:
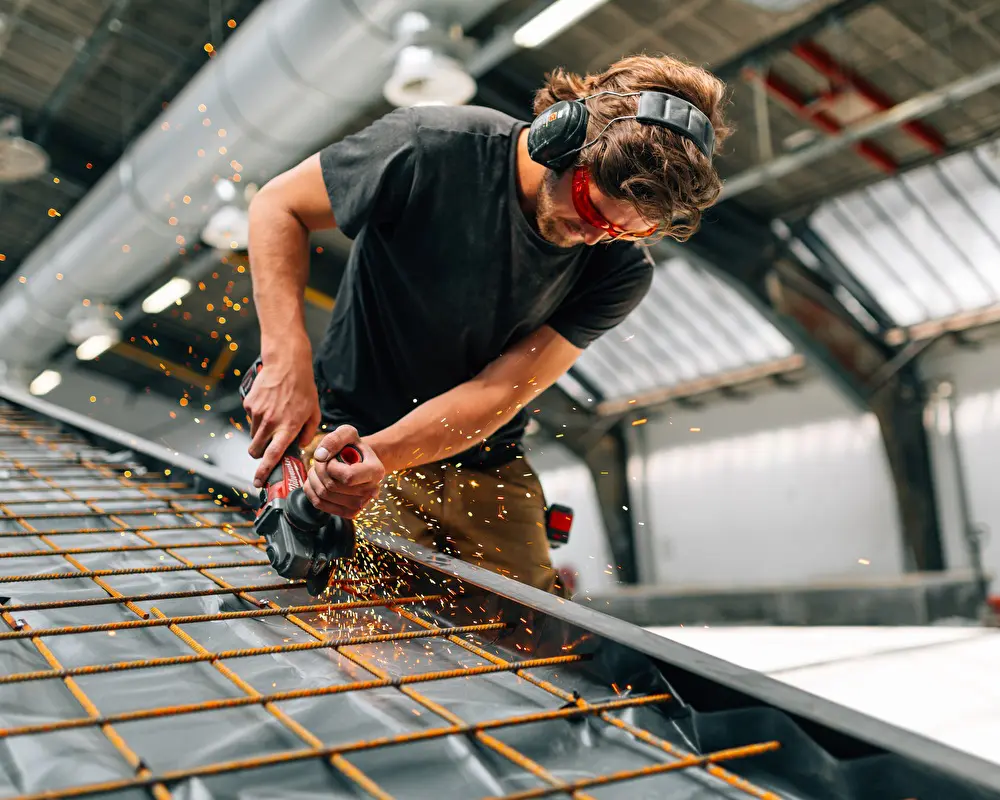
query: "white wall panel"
789, 486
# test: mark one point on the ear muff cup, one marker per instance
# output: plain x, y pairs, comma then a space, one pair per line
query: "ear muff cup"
557, 133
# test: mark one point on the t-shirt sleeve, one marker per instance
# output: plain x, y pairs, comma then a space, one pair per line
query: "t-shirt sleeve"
613, 285
369, 174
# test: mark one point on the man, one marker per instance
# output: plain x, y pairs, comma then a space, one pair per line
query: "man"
478, 276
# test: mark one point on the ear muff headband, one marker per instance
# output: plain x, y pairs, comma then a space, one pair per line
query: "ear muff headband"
560, 132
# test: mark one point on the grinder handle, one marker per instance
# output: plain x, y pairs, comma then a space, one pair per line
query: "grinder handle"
304, 514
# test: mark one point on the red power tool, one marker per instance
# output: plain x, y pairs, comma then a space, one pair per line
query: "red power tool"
302, 541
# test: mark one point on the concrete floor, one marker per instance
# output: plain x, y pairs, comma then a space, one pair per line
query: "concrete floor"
941, 682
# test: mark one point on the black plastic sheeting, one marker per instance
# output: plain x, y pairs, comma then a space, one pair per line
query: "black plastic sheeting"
457, 766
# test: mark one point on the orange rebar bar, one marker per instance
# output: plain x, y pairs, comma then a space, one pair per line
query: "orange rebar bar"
159, 712
104, 573
735, 781
53, 500
184, 526
60, 461
348, 770
292, 756
716, 771
225, 655
138, 512
128, 548
654, 769
143, 598
130, 483
192, 619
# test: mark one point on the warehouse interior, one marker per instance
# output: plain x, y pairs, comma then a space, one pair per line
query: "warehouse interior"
783, 458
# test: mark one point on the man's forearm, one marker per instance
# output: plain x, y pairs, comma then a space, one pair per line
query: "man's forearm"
279, 265
448, 424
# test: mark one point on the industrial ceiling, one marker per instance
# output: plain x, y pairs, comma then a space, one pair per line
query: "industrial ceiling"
87, 78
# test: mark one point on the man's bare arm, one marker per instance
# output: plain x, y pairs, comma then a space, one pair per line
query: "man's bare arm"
284, 405
282, 214
455, 421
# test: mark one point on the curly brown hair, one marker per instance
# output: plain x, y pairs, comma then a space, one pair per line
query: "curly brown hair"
661, 173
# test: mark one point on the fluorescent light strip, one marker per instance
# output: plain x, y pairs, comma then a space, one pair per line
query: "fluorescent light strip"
549, 23
91, 348
45, 382
172, 291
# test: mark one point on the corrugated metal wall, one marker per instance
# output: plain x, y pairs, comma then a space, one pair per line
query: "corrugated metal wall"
690, 325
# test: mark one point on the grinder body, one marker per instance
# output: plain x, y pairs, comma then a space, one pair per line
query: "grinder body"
302, 541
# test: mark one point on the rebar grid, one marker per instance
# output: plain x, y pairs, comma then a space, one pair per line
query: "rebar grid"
718, 772
574, 706
256, 762
492, 743
337, 762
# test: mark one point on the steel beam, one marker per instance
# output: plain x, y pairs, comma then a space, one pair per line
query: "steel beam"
831, 266
801, 303
907, 111
762, 53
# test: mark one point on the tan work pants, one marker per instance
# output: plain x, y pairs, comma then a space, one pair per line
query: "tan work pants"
491, 517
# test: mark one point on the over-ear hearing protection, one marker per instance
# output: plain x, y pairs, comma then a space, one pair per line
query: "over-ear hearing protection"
560, 132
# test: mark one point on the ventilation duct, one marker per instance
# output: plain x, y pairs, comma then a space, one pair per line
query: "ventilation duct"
288, 81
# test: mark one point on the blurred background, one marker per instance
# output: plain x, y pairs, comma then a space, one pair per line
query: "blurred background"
798, 426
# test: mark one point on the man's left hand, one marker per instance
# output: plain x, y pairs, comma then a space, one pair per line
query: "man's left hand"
338, 488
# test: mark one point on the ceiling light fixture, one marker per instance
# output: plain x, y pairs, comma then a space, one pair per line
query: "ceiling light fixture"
429, 68
92, 331
552, 21
20, 158
228, 229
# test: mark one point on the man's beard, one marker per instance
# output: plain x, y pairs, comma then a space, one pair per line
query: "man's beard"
545, 217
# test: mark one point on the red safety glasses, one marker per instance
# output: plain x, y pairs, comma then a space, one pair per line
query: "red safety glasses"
590, 214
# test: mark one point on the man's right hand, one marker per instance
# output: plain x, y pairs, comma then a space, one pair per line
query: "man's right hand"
284, 409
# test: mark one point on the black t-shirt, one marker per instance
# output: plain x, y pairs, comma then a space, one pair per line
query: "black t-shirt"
446, 272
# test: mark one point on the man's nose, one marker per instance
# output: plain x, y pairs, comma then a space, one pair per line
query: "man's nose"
592, 235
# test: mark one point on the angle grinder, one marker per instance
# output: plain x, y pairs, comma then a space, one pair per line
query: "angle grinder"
302, 541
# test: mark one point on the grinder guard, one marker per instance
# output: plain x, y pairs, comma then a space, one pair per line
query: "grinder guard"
309, 554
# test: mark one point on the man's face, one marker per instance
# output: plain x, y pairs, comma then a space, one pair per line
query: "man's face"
560, 222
